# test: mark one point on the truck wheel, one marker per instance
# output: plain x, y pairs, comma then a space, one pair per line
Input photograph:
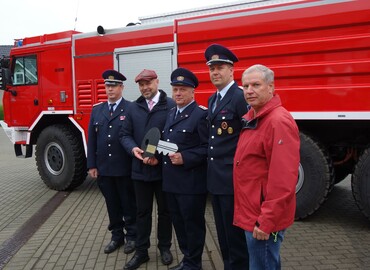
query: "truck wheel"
315, 177
60, 158
361, 183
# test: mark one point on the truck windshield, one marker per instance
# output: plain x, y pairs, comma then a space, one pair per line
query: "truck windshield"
25, 70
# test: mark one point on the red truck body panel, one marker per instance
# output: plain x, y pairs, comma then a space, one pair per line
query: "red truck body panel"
319, 52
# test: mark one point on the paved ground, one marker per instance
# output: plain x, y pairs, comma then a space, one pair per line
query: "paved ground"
35, 236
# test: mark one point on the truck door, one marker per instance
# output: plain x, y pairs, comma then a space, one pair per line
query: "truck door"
132, 60
24, 105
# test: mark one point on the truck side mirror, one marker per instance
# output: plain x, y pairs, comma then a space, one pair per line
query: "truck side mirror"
5, 78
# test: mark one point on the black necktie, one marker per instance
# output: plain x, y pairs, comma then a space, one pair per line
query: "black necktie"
217, 101
111, 108
177, 114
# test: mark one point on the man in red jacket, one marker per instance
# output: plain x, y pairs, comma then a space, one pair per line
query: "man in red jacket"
265, 170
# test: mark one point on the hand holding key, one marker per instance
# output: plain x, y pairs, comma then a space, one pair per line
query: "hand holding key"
176, 158
152, 143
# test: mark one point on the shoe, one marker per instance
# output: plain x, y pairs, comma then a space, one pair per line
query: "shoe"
136, 261
112, 246
166, 257
180, 266
129, 247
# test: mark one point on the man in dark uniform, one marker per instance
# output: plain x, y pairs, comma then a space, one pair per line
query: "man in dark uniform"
149, 110
185, 172
225, 110
111, 165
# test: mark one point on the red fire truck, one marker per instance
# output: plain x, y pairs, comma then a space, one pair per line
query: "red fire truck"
319, 50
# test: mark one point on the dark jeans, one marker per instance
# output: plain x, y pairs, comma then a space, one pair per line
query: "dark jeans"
145, 192
121, 205
264, 254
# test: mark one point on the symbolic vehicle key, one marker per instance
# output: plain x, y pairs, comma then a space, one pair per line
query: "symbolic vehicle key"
152, 143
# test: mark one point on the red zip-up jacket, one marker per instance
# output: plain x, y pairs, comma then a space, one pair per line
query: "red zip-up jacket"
266, 169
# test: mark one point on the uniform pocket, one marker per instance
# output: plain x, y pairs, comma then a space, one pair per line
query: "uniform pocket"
97, 126
185, 134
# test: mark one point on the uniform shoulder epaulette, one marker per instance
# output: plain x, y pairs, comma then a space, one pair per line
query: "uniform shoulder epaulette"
203, 107
173, 108
96, 104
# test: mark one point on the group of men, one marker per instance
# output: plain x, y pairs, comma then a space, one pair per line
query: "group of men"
243, 151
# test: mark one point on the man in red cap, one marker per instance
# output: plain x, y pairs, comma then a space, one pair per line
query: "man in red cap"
148, 111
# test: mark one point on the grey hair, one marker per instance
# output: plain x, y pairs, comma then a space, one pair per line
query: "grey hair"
267, 74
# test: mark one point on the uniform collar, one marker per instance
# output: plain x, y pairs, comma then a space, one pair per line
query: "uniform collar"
183, 108
117, 102
224, 90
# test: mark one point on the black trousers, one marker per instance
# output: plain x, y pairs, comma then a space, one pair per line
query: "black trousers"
231, 239
145, 192
121, 205
187, 213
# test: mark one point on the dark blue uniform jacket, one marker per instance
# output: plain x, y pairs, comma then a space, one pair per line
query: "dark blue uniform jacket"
104, 150
225, 125
139, 121
190, 132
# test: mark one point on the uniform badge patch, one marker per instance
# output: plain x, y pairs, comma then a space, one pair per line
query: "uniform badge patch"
224, 125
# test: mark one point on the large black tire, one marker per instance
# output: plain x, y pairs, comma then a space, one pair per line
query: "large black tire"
315, 177
60, 158
361, 183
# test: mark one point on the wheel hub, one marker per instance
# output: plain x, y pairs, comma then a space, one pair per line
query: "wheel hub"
54, 158
300, 178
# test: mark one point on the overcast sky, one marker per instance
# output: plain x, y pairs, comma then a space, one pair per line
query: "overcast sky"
25, 18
